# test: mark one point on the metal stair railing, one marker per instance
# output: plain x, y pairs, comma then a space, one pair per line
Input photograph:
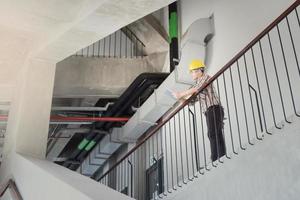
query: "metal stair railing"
11, 186
120, 44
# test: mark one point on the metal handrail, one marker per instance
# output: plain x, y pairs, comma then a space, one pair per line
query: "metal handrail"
162, 121
120, 44
10, 184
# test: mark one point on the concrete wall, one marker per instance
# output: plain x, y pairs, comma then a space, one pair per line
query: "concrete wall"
80, 76
235, 23
267, 171
51, 181
7, 195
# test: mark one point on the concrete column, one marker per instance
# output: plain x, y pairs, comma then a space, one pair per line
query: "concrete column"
28, 121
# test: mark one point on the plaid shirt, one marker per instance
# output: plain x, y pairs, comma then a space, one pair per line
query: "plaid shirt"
207, 97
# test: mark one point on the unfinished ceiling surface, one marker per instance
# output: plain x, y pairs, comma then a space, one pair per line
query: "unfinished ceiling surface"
53, 30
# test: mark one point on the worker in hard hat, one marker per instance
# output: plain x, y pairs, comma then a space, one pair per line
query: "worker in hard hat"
211, 107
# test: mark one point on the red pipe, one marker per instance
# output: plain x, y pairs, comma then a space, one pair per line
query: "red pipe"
3, 117
79, 119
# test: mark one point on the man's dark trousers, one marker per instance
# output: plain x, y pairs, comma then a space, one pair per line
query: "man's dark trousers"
214, 119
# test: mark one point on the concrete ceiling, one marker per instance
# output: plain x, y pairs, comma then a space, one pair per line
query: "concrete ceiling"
55, 29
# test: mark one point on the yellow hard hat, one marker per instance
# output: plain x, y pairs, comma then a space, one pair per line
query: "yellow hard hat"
196, 64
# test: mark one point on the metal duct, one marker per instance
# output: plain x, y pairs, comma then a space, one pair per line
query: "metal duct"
133, 92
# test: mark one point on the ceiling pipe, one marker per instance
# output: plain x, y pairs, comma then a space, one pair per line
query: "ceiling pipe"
56, 118
84, 119
72, 108
125, 101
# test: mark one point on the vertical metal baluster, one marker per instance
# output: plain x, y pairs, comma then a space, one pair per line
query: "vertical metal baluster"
236, 112
136, 42
166, 150
171, 154
158, 158
121, 43
232, 144
154, 161
120, 178
130, 179
176, 159
115, 45
150, 150
180, 141
99, 44
251, 102
93, 49
186, 145
195, 138
104, 49
197, 151
203, 137
125, 175
147, 147
117, 177
191, 140
260, 96
126, 40
143, 160
243, 100
268, 87
109, 46
144, 170
134, 175
206, 106
162, 157
122, 175
131, 45
293, 44
223, 135
297, 16
138, 188
88, 51
278, 84
287, 72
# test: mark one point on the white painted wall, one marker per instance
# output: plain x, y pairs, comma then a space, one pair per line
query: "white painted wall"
51, 181
237, 22
7, 195
267, 171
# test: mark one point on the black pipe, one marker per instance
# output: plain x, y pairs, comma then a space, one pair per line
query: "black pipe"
134, 91
121, 110
138, 86
140, 83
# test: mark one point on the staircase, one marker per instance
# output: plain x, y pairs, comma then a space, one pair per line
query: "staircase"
258, 91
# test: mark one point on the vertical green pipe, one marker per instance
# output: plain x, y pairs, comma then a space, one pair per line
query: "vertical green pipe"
173, 35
